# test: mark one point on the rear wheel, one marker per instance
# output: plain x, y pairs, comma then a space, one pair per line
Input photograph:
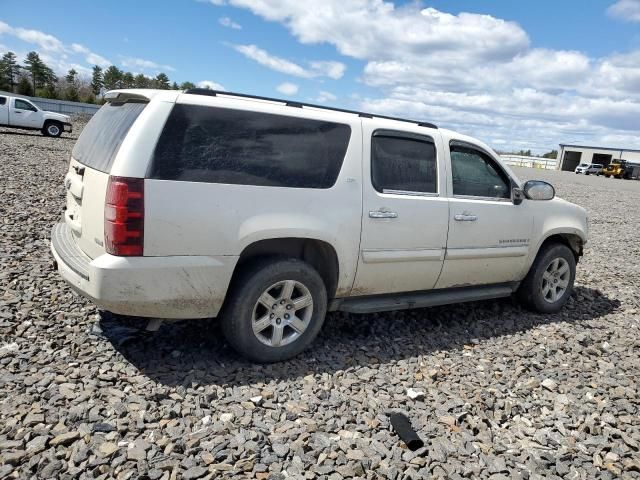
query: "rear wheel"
52, 129
275, 309
549, 283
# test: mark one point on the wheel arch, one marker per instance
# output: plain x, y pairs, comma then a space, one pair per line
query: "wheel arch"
320, 254
572, 239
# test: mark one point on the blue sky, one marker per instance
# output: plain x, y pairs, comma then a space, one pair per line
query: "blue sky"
516, 74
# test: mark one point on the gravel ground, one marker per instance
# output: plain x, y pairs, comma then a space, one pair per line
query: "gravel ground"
497, 392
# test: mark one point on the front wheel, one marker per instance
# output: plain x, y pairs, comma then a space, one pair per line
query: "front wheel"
275, 309
549, 283
52, 129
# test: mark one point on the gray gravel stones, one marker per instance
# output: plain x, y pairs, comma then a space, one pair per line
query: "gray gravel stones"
504, 393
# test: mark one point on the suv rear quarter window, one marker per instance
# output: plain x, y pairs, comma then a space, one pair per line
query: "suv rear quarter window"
217, 145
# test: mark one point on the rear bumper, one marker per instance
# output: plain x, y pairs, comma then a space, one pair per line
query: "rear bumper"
67, 127
162, 287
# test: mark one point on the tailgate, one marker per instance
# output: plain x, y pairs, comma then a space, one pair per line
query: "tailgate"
86, 190
91, 161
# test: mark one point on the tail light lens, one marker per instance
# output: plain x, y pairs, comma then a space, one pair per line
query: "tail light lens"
124, 217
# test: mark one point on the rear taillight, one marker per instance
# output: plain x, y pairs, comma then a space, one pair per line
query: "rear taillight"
124, 217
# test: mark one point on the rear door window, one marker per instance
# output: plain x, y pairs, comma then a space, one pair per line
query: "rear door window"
3, 100
217, 145
403, 163
101, 138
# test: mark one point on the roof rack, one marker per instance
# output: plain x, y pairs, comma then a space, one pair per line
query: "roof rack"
289, 103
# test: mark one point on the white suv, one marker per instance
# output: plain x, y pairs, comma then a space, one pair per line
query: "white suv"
268, 214
588, 168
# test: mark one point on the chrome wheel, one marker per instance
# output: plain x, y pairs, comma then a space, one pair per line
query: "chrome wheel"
555, 280
282, 313
53, 130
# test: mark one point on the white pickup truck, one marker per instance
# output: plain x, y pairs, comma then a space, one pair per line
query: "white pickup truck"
18, 112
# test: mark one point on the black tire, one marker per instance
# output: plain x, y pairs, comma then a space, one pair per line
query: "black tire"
52, 129
531, 293
242, 303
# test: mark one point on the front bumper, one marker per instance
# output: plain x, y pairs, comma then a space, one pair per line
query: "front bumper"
161, 287
67, 127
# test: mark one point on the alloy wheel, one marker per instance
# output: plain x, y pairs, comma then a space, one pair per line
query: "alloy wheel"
282, 313
555, 280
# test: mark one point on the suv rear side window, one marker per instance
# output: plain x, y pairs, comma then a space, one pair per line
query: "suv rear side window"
476, 174
3, 100
403, 164
101, 138
218, 145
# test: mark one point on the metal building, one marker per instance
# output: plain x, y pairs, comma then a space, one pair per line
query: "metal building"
570, 156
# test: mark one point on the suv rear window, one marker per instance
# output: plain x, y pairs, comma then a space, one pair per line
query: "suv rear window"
101, 138
219, 145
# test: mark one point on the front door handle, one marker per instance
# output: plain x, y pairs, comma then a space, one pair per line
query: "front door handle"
382, 214
465, 217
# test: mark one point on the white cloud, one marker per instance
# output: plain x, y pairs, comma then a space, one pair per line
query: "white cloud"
329, 69
89, 56
476, 73
210, 85
367, 28
324, 97
227, 22
287, 88
54, 52
626, 10
141, 63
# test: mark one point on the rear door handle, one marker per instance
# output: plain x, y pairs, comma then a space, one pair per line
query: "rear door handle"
465, 217
382, 214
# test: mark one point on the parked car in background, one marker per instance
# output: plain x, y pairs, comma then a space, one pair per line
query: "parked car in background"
17, 112
268, 213
588, 168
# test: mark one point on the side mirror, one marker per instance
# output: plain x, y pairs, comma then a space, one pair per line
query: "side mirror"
539, 190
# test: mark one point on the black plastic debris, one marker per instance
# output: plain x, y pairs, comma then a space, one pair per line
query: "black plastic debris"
402, 426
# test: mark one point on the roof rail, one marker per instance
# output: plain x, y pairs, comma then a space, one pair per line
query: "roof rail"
289, 103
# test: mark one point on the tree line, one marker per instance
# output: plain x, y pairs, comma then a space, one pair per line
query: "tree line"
35, 78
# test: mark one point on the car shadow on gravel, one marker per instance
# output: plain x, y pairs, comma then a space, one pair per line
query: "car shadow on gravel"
193, 352
23, 134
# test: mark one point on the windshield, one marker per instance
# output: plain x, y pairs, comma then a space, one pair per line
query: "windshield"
101, 138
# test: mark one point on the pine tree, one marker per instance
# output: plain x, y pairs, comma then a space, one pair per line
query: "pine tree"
72, 93
42, 76
112, 78
141, 81
24, 86
9, 71
127, 80
187, 85
96, 80
35, 67
161, 81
